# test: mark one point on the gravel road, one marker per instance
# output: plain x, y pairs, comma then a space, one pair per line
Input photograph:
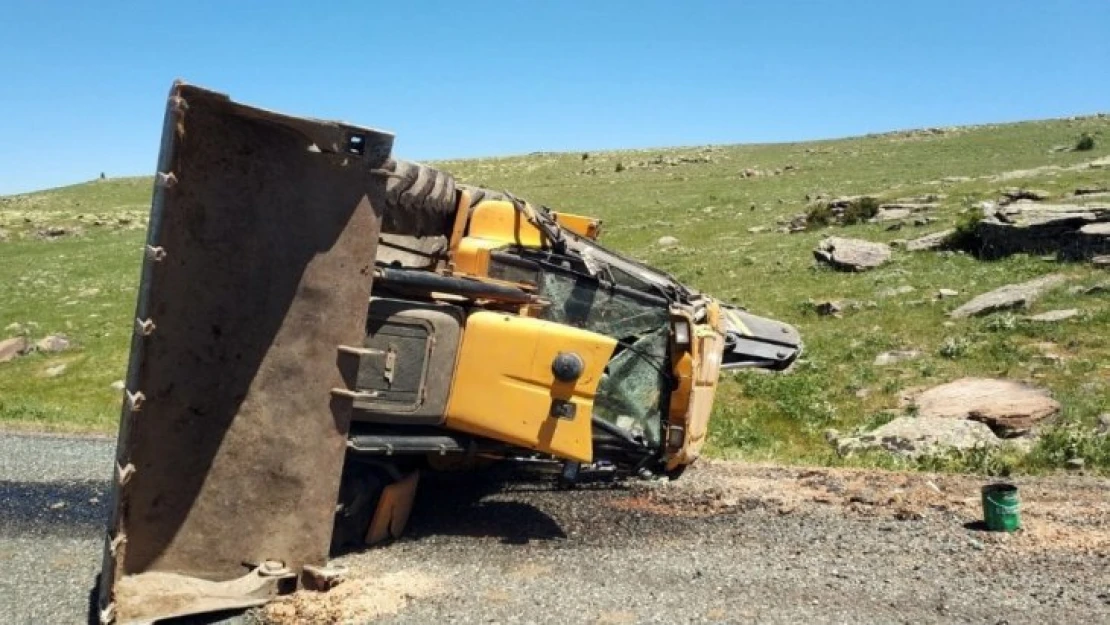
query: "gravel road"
728, 543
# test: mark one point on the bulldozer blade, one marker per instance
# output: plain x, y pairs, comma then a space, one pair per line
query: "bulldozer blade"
259, 261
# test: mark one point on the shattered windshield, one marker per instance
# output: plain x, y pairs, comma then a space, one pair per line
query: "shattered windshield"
631, 393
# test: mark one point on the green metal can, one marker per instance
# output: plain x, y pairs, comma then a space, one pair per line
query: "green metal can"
1001, 507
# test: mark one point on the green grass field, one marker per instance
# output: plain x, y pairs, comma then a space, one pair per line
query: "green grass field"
83, 284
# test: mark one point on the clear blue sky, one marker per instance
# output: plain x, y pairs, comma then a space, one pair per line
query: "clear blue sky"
82, 84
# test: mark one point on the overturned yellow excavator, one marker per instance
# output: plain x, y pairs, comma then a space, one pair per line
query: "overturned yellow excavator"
318, 322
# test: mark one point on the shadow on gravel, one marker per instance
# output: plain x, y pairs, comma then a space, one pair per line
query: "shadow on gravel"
978, 526
73, 509
465, 505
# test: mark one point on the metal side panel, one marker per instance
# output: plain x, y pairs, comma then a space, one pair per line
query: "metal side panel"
259, 262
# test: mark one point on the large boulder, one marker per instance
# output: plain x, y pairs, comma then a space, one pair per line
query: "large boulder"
920, 436
1009, 297
1009, 408
852, 254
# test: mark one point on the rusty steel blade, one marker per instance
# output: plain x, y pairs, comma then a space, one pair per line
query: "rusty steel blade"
258, 268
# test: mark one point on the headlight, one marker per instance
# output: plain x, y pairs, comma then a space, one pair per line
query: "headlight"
682, 332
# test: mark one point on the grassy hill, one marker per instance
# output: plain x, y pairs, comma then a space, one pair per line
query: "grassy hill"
81, 282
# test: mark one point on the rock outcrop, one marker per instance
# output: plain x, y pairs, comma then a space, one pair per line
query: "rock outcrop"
920, 436
1009, 297
1071, 231
932, 241
1009, 408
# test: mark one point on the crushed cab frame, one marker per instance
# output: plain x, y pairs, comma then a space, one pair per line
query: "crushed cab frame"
318, 322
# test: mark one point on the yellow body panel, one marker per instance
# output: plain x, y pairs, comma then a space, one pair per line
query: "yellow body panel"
504, 388
472, 256
581, 225
498, 220
697, 372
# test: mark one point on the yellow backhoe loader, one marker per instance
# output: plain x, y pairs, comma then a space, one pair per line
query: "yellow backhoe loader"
319, 322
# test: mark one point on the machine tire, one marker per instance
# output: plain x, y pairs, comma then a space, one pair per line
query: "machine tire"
421, 200
479, 194
359, 491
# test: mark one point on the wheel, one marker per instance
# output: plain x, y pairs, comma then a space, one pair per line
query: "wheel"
421, 199
360, 489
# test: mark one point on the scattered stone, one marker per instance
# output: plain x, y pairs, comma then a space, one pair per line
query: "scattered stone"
1094, 289
52, 232
919, 436
895, 357
1009, 297
943, 293
1101, 261
667, 241
852, 254
1074, 464
911, 205
57, 505
932, 241
1097, 190
12, 348
890, 214
757, 229
1100, 229
828, 309
53, 343
1104, 423
55, 371
118, 385
1009, 408
1055, 315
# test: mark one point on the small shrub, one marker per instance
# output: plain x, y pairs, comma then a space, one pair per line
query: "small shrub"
619, 168
878, 419
1001, 323
965, 236
1070, 440
980, 460
860, 211
1085, 142
954, 347
819, 216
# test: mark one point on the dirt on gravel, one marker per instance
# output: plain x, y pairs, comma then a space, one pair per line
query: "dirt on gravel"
365, 596
731, 542
1058, 513
727, 543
